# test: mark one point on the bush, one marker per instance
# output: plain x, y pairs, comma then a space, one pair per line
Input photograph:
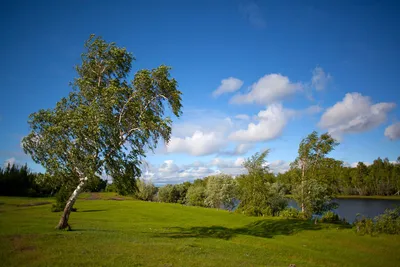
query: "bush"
364, 225
61, 200
111, 188
290, 213
329, 217
196, 195
146, 190
388, 222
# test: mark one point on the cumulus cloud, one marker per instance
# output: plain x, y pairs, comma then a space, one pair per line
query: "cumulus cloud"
320, 79
201, 120
231, 167
170, 173
199, 144
253, 14
278, 166
271, 123
268, 89
393, 131
228, 85
354, 114
354, 164
240, 149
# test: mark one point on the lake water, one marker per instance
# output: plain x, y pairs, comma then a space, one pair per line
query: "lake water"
348, 208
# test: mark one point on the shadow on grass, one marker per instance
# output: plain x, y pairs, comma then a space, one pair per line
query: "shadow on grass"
263, 228
92, 210
92, 230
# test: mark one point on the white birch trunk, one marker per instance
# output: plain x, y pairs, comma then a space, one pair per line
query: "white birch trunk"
63, 223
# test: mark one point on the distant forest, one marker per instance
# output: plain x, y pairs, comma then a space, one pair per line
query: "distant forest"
381, 178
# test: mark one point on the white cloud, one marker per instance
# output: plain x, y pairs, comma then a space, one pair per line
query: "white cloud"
201, 120
171, 173
268, 89
354, 164
354, 114
232, 167
168, 167
253, 14
279, 166
228, 85
271, 124
240, 149
320, 79
10, 161
393, 131
198, 144
242, 117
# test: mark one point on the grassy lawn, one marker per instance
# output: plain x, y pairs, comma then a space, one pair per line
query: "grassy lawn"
134, 233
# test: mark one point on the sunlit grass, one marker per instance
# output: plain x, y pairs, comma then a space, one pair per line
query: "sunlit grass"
136, 233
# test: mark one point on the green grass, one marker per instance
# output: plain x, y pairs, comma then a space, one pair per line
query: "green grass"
136, 233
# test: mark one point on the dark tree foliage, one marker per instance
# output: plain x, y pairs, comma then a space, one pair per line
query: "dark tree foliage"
17, 181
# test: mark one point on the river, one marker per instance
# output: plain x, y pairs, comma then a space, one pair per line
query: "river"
348, 208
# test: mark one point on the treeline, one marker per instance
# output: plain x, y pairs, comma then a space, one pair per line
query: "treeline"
381, 178
18, 180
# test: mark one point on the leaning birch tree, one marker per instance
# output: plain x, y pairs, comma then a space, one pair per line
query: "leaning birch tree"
311, 155
106, 124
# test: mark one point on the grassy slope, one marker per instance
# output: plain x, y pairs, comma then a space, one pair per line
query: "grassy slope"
135, 233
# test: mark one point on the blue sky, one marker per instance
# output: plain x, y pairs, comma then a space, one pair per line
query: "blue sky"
254, 74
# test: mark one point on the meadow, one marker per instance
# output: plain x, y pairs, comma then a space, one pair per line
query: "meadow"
109, 230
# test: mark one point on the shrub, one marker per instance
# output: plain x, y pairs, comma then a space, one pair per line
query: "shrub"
196, 195
364, 225
330, 217
111, 188
388, 222
145, 190
290, 213
61, 200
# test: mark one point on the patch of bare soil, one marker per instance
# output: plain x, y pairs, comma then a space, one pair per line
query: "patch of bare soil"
19, 243
116, 198
93, 196
34, 204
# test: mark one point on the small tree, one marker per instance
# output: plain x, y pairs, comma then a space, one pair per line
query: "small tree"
146, 190
259, 194
221, 191
106, 124
196, 194
310, 188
